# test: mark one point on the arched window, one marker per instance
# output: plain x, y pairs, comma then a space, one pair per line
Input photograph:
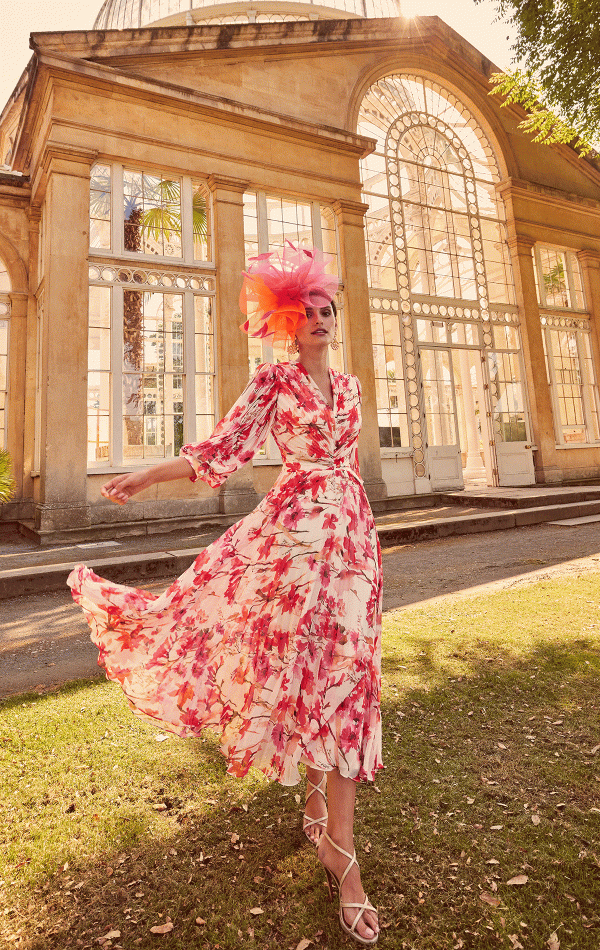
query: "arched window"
4, 315
438, 265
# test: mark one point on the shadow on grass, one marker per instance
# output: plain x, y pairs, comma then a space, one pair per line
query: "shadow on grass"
489, 777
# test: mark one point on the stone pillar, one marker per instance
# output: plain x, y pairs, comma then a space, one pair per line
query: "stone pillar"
30, 487
358, 339
16, 385
62, 501
538, 389
238, 493
590, 267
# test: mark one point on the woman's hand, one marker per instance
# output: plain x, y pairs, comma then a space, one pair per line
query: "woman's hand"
120, 488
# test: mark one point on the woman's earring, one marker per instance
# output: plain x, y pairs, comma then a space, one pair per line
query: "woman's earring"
293, 347
335, 343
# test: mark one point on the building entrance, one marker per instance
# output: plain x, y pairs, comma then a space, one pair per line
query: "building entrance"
457, 420
473, 412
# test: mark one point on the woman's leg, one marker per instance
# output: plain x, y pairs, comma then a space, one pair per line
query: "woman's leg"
316, 806
341, 794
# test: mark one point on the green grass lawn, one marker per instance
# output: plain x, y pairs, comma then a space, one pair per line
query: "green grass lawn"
492, 753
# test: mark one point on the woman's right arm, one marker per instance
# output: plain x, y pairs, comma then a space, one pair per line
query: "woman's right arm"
235, 440
120, 488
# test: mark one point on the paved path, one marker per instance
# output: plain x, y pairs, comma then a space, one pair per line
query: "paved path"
44, 640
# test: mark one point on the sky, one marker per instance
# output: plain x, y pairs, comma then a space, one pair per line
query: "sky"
19, 18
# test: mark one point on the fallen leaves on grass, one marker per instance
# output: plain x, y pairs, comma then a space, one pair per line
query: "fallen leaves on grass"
304, 944
553, 941
488, 899
111, 935
518, 879
256, 911
163, 928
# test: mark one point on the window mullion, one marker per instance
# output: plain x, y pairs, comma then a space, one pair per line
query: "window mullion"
116, 225
187, 220
262, 227
116, 359
585, 386
189, 363
570, 282
315, 220
558, 428
540, 275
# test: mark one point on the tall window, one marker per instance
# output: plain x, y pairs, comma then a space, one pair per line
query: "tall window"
567, 345
4, 326
151, 338
143, 214
270, 221
436, 243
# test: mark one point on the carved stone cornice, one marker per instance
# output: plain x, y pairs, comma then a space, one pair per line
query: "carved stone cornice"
589, 257
67, 160
521, 244
350, 212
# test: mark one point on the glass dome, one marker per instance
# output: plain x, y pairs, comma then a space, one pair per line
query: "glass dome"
133, 14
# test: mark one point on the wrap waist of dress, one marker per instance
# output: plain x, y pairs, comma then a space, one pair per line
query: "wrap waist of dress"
336, 467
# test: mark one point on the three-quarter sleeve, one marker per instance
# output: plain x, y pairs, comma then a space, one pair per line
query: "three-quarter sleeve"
240, 434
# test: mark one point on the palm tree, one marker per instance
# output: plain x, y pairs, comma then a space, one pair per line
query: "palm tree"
7, 482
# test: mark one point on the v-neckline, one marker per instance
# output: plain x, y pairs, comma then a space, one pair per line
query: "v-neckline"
312, 382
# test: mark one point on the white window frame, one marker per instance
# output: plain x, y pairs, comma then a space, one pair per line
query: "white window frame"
117, 234
272, 454
587, 385
541, 287
116, 462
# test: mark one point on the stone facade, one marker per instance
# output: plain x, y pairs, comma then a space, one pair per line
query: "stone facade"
260, 108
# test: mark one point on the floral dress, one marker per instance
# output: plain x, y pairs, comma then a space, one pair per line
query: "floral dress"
272, 636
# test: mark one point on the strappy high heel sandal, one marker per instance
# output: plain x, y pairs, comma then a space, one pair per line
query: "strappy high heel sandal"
309, 822
350, 929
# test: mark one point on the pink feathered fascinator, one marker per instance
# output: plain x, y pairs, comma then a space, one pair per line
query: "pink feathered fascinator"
278, 287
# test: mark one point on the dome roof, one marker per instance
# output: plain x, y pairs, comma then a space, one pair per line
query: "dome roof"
132, 14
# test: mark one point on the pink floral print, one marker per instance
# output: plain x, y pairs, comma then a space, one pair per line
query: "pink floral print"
272, 636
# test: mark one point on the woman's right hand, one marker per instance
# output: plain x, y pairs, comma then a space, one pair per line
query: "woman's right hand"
120, 488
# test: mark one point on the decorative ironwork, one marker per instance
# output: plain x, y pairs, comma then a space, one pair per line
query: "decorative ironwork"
152, 279
435, 233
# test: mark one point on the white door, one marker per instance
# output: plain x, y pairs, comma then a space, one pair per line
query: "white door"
515, 463
443, 447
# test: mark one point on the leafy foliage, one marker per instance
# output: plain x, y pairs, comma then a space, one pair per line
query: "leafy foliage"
558, 43
7, 482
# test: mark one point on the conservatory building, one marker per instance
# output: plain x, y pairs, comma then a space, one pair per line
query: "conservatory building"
144, 161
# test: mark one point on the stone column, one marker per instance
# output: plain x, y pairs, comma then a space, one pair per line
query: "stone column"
538, 389
16, 385
238, 493
358, 339
30, 487
62, 501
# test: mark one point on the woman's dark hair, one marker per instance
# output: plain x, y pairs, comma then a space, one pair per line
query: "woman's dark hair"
331, 304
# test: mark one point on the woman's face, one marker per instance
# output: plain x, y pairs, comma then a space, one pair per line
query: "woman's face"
319, 329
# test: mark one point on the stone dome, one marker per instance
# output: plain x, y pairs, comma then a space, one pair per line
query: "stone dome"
133, 14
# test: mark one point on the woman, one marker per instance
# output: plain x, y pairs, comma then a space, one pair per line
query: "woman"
271, 637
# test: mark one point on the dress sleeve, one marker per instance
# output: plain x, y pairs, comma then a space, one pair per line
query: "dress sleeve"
240, 434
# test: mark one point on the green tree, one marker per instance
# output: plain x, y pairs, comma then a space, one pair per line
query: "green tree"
7, 482
558, 47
